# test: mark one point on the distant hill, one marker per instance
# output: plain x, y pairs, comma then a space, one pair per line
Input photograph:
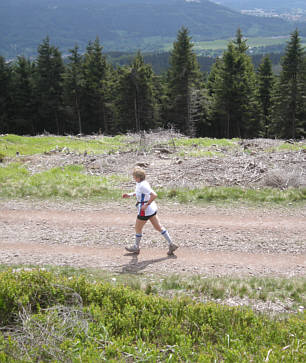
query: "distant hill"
122, 25
263, 4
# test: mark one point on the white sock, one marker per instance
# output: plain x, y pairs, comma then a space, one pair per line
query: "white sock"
137, 239
165, 234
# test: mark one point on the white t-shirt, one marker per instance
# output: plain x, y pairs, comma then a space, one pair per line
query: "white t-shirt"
143, 191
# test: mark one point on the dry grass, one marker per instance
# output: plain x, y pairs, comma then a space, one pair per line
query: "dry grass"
284, 178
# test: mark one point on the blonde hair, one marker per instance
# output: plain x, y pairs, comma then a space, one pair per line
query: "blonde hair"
139, 173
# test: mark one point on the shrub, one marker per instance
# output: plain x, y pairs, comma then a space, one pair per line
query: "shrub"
120, 324
283, 179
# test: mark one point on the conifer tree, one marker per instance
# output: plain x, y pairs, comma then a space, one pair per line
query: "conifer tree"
265, 81
23, 115
73, 88
5, 83
95, 73
183, 77
136, 102
49, 70
303, 91
289, 101
232, 87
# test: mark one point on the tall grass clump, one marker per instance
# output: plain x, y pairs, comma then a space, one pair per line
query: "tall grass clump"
70, 181
234, 194
94, 321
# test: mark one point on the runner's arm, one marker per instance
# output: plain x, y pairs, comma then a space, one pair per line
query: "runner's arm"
128, 195
153, 196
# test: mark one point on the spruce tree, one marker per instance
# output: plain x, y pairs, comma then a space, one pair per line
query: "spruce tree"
73, 89
233, 108
136, 102
289, 101
303, 91
265, 81
23, 115
49, 71
184, 78
95, 72
5, 86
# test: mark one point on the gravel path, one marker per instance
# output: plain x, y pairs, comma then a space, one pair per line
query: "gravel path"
215, 241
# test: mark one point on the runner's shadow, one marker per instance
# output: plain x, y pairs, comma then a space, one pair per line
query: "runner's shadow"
135, 266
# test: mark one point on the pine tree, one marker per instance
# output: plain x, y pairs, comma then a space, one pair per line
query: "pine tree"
303, 104
289, 102
95, 73
136, 102
23, 115
49, 72
183, 78
232, 87
265, 81
5, 85
73, 88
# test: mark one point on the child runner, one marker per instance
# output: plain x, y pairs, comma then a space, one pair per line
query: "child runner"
147, 210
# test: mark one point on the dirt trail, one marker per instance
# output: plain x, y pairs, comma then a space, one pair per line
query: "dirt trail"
213, 242
115, 218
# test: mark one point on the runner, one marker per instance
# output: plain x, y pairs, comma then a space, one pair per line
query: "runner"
147, 210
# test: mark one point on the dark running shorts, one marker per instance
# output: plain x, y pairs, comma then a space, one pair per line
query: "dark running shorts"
145, 218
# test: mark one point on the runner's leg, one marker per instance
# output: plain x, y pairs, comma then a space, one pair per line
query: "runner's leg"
138, 230
156, 224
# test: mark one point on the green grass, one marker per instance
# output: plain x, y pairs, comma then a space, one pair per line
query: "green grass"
202, 147
200, 154
61, 318
288, 147
205, 142
73, 182
286, 291
283, 290
70, 182
10, 144
234, 194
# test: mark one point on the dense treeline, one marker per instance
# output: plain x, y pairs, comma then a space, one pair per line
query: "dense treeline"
86, 94
160, 60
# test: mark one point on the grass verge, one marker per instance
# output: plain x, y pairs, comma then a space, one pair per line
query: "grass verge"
235, 194
72, 182
288, 293
96, 321
68, 182
267, 289
11, 144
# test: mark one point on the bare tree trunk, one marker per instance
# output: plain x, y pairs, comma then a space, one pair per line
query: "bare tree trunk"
57, 123
228, 125
78, 114
136, 110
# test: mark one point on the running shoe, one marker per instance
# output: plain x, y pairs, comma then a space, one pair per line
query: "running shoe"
133, 249
172, 248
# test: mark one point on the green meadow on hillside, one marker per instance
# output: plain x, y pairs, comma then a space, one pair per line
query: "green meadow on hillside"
72, 181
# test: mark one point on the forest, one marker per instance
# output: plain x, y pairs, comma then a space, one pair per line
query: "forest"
124, 25
85, 94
